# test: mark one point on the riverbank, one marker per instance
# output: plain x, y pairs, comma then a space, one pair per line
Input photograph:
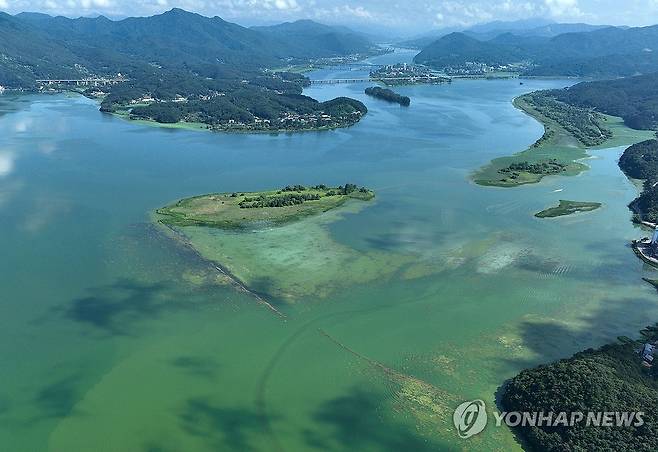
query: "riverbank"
228, 128
557, 144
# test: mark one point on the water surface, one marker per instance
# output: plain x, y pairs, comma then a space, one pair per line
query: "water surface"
114, 338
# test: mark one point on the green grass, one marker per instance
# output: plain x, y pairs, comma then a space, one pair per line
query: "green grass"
556, 144
567, 208
223, 210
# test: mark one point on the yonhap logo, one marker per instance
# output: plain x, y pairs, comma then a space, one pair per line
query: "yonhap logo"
470, 418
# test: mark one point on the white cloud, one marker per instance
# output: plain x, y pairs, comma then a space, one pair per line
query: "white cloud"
413, 16
563, 8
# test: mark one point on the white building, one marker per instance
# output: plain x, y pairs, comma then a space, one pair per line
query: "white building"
654, 238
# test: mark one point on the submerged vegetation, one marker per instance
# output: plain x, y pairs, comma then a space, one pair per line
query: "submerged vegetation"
567, 208
238, 210
388, 95
613, 379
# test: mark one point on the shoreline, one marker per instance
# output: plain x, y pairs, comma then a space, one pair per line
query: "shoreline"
642, 250
557, 144
202, 127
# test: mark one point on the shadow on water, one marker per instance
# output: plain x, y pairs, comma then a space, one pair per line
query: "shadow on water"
153, 447
57, 399
223, 428
550, 340
5, 405
354, 422
116, 309
196, 366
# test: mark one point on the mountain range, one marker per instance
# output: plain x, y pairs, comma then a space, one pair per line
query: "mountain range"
483, 32
604, 52
36, 45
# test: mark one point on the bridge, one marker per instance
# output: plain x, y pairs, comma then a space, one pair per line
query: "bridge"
334, 81
84, 81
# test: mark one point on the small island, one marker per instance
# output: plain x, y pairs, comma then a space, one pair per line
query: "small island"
388, 95
568, 208
241, 209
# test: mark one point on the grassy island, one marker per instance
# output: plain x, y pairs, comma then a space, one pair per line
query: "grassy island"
388, 95
613, 378
238, 210
276, 244
567, 208
569, 131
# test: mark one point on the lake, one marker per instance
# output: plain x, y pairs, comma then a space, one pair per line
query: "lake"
114, 337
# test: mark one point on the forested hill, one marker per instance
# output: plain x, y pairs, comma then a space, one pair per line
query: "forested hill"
181, 66
40, 46
176, 35
490, 30
458, 48
633, 98
309, 39
602, 52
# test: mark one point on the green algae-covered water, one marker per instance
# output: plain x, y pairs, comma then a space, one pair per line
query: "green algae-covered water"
116, 338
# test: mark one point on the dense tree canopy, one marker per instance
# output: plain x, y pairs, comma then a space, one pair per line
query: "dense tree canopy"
611, 378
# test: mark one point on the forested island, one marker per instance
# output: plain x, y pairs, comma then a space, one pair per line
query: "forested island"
388, 95
613, 378
239, 210
566, 207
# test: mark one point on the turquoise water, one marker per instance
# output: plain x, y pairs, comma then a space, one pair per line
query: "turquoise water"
115, 338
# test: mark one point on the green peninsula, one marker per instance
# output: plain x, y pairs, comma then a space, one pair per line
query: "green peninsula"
238, 210
569, 130
567, 208
617, 378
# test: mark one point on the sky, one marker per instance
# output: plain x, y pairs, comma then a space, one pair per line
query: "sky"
403, 16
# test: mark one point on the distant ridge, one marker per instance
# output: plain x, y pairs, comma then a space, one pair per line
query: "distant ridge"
41, 46
631, 51
314, 39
